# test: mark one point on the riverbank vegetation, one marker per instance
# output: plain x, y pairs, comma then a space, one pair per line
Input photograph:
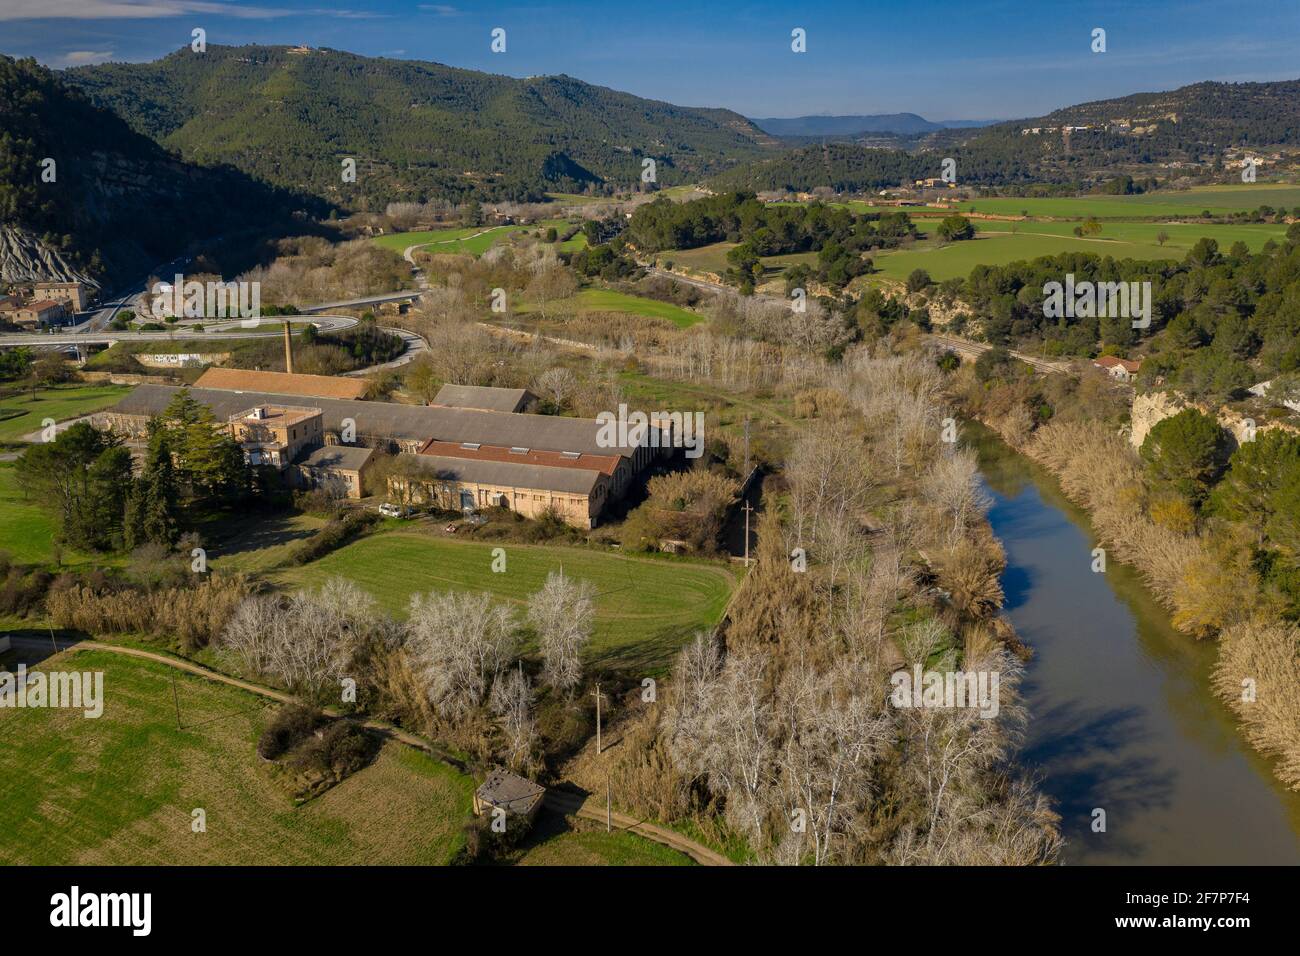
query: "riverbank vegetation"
777, 736
1209, 516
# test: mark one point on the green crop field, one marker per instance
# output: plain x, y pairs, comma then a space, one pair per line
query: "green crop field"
997, 244
1217, 199
121, 789
646, 608
59, 403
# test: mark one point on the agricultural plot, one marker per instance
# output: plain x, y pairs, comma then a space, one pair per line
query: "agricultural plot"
646, 608
1219, 200
711, 258
121, 789
606, 300
997, 244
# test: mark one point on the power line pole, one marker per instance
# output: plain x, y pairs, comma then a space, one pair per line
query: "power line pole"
598, 719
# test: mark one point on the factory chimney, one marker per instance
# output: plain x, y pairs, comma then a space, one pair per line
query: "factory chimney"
288, 349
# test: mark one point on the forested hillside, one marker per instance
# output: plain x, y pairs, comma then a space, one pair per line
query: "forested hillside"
415, 129
114, 203
1190, 125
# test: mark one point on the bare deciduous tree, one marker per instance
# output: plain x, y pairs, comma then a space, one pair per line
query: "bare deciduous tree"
512, 702
459, 642
563, 614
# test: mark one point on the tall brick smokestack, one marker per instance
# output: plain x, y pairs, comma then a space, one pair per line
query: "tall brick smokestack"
288, 349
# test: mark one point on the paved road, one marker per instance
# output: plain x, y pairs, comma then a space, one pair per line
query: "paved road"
563, 801
358, 303
211, 330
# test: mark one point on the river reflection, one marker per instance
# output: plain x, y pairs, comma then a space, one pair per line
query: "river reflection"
1122, 718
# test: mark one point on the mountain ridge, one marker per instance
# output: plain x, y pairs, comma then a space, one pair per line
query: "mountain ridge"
415, 128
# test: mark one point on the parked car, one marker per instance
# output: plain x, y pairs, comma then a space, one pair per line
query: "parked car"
389, 510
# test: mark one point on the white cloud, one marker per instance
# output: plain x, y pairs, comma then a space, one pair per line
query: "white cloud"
441, 9
85, 57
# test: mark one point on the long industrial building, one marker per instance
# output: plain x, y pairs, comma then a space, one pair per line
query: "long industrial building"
455, 457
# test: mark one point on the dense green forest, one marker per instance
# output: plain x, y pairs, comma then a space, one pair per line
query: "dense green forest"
114, 203
769, 229
1221, 321
416, 130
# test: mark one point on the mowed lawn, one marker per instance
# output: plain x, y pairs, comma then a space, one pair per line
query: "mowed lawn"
646, 608
121, 789
21, 415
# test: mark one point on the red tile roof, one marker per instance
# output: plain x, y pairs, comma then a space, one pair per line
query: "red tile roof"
605, 464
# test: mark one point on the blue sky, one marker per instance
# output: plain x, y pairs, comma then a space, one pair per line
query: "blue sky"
944, 60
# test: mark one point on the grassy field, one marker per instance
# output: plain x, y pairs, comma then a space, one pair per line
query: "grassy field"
1218, 200
598, 848
605, 300
466, 239
646, 608
26, 531
121, 789
996, 244
256, 543
59, 403
710, 258
474, 240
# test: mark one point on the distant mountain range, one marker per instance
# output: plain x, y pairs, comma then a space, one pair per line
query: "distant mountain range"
244, 141
1169, 133
904, 124
291, 116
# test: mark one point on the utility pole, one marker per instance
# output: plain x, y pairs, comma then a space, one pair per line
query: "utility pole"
598, 719
747, 509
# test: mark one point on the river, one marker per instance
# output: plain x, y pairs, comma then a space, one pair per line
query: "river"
1121, 713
